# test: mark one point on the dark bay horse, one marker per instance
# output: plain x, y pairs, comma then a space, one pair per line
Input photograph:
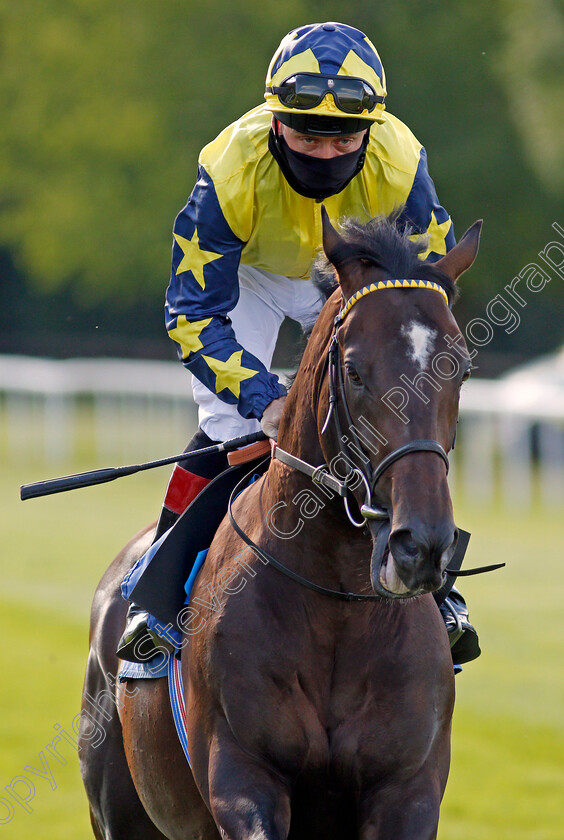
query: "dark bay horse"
312, 716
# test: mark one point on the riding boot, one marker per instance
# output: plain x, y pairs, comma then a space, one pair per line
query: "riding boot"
183, 487
138, 643
187, 482
464, 643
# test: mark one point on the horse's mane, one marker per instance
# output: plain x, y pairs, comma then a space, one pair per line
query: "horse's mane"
386, 243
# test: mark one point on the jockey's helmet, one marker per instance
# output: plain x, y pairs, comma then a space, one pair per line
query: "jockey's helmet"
326, 79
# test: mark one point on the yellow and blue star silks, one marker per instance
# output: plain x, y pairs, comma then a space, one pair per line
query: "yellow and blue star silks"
229, 374
242, 210
195, 258
187, 335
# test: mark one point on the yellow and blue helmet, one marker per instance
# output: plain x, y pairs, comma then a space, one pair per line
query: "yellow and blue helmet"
326, 78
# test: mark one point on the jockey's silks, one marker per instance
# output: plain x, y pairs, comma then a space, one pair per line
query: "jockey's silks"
243, 210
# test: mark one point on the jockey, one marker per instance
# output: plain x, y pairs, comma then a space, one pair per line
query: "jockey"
245, 241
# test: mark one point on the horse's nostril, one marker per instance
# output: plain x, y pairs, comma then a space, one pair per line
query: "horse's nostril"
402, 542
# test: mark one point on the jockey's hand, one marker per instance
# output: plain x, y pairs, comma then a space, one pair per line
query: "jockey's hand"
271, 417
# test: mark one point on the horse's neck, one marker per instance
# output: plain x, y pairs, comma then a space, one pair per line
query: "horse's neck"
299, 432
299, 435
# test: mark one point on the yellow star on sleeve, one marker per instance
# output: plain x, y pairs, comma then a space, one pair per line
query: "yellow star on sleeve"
436, 233
231, 373
195, 258
187, 334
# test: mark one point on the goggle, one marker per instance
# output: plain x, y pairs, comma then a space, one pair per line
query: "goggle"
306, 90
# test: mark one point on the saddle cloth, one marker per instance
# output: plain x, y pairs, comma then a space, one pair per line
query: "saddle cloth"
157, 581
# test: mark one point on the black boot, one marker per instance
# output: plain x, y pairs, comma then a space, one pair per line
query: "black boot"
185, 484
464, 644
188, 479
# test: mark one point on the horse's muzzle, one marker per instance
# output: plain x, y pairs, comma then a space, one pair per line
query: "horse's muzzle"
384, 578
411, 561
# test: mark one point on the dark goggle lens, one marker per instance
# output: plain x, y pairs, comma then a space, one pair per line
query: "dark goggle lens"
352, 96
300, 93
355, 97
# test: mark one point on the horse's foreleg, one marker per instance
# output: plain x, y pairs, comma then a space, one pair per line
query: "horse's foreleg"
406, 810
247, 799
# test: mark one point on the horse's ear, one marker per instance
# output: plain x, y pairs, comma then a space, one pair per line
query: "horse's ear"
461, 257
338, 252
333, 242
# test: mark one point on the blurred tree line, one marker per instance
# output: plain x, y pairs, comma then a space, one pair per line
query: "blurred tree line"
106, 105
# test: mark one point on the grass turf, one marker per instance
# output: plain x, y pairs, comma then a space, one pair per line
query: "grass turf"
507, 774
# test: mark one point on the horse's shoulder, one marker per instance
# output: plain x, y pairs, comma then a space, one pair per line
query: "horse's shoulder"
248, 510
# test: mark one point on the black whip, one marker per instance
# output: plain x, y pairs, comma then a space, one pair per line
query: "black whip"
87, 479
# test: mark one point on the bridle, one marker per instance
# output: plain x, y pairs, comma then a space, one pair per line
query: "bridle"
349, 443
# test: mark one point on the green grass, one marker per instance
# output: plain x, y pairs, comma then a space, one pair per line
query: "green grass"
54, 550
507, 774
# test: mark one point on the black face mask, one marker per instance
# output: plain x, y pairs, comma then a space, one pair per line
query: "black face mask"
316, 177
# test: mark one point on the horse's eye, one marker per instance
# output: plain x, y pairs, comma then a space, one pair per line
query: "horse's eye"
353, 374
466, 375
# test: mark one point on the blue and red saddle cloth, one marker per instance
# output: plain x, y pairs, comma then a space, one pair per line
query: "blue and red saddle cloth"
158, 665
161, 581
164, 664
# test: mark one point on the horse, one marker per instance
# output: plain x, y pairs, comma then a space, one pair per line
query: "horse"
318, 682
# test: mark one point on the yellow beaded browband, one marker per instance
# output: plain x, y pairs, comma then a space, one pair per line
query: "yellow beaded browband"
389, 284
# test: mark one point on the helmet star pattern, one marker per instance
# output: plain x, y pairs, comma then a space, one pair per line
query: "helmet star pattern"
332, 49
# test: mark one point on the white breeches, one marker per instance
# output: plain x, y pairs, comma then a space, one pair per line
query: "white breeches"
265, 300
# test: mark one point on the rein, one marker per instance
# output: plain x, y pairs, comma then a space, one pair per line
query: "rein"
268, 558
369, 476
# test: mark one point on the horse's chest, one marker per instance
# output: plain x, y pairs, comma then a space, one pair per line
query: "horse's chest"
317, 717
337, 704
366, 728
